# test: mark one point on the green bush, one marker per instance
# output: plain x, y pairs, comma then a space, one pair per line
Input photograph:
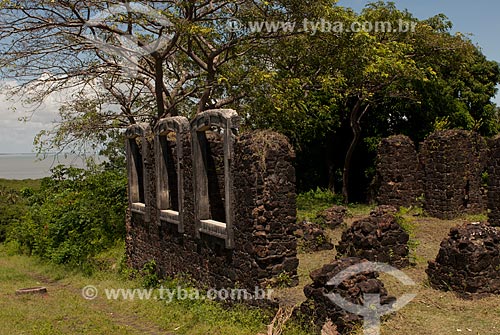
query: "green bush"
318, 198
12, 208
75, 215
310, 203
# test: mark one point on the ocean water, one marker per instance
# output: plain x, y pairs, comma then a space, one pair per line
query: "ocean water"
29, 166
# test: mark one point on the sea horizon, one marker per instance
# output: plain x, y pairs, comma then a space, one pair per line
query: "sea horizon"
18, 166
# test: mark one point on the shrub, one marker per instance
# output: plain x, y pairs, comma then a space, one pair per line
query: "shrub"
12, 208
75, 215
319, 197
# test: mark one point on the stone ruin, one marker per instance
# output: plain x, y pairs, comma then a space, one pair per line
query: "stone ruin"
209, 203
311, 237
332, 217
398, 175
377, 238
453, 162
494, 182
448, 171
468, 262
318, 308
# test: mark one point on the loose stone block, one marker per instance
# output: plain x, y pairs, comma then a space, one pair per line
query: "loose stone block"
318, 308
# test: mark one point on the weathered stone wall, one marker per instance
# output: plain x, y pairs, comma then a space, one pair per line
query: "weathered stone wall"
453, 162
398, 175
377, 238
468, 262
265, 205
318, 307
447, 170
494, 182
264, 217
312, 237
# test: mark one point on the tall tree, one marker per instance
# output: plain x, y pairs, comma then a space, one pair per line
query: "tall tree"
374, 83
150, 58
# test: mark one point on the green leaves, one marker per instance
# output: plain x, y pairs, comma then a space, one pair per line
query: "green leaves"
75, 215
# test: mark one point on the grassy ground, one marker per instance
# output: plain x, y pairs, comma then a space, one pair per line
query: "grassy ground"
64, 311
432, 311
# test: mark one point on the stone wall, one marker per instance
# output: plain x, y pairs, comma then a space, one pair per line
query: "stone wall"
453, 162
468, 262
398, 175
263, 215
265, 206
447, 170
494, 182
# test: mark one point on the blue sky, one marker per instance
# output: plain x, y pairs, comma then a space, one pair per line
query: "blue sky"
479, 18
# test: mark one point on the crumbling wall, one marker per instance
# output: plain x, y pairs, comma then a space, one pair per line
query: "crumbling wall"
398, 175
318, 308
265, 206
377, 238
453, 162
494, 182
448, 171
468, 261
264, 216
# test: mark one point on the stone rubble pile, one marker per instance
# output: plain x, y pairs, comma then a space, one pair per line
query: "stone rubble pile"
468, 261
318, 308
377, 238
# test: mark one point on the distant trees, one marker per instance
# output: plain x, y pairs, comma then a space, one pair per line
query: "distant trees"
331, 89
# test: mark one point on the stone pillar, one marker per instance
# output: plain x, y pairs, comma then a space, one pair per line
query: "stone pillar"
494, 182
398, 178
453, 162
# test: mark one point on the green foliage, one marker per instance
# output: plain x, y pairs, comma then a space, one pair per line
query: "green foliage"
485, 177
283, 280
442, 123
317, 198
409, 83
13, 204
149, 274
405, 222
310, 203
75, 214
481, 217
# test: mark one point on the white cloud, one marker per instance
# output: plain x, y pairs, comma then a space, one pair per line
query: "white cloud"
17, 136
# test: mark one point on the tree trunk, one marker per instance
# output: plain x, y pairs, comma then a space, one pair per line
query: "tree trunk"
160, 102
209, 84
331, 177
355, 118
330, 162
